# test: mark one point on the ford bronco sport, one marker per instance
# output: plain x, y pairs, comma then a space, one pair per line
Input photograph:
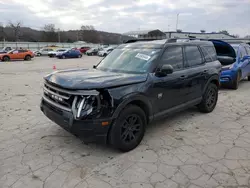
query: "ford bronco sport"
136, 83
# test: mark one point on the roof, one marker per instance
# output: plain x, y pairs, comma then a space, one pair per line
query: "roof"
160, 43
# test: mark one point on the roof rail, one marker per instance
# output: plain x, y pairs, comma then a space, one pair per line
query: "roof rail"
137, 40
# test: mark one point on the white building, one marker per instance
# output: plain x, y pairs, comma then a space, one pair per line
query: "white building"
198, 35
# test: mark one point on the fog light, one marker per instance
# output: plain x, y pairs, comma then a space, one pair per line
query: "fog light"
105, 123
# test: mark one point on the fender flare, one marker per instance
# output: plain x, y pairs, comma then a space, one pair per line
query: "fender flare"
134, 97
211, 79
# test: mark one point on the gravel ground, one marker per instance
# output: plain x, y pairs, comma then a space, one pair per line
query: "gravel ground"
189, 149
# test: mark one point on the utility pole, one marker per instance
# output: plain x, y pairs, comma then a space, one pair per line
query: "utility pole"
177, 21
59, 37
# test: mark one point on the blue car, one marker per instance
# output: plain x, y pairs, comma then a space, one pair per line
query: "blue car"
69, 54
239, 68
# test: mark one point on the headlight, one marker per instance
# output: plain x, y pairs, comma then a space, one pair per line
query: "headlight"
84, 105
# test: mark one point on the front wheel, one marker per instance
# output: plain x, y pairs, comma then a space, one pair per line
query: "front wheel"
79, 56
63, 57
27, 58
128, 129
6, 58
209, 99
235, 84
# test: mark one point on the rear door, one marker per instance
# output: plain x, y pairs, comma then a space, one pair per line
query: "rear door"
197, 72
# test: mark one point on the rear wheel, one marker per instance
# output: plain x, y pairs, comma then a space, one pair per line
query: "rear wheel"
79, 56
209, 99
63, 57
235, 84
6, 58
27, 58
128, 129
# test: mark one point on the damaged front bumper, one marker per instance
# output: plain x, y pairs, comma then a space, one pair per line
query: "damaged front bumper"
77, 112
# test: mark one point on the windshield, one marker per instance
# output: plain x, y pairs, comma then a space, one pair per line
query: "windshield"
129, 60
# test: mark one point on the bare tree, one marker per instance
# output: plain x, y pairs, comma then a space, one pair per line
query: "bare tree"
224, 32
16, 29
179, 30
49, 33
203, 31
2, 34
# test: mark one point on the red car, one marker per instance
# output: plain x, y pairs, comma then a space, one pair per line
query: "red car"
83, 49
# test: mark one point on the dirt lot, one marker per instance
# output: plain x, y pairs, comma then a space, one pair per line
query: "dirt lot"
189, 149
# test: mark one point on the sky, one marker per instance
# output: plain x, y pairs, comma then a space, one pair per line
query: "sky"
120, 16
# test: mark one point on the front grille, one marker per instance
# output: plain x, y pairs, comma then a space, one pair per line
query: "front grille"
57, 95
79, 102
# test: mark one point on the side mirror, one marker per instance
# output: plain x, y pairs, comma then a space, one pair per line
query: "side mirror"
226, 60
165, 70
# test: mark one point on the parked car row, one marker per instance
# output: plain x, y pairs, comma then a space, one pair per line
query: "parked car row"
102, 52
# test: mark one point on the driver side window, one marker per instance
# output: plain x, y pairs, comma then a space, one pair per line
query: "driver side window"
173, 56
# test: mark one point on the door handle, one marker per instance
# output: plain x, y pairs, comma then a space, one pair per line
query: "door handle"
183, 77
204, 72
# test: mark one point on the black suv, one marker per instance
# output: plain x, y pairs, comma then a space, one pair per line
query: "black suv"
136, 83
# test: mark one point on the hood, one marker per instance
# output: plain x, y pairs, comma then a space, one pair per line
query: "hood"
223, 48
93, 79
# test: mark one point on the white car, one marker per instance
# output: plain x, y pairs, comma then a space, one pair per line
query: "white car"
57, 52
43, 51
105, 52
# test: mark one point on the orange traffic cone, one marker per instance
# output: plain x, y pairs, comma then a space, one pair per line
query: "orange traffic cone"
54, 67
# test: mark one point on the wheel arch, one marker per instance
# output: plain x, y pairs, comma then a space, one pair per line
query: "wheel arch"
213, 79
138, 100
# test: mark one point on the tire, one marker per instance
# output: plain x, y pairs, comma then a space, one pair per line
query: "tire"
63, 57
235, 84
124, 135
248, 78
209, 99
79, 56
104, 55
6, 58
39, 54
27, 58
92, 54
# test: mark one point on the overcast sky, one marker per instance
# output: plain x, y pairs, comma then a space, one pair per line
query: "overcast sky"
129, 15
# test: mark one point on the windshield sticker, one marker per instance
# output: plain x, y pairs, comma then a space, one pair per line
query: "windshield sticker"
143, 56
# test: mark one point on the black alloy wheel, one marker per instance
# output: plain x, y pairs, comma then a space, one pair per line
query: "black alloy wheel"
209, 99
130, 128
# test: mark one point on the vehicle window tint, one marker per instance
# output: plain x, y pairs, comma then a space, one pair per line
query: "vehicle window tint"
193, 56
22, 51
211, 51
173, 56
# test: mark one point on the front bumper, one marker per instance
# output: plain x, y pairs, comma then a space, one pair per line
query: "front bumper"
87, 130
227, 77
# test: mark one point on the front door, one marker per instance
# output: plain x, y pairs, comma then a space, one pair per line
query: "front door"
171, 90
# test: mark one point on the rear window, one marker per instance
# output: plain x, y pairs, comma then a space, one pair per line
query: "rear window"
209, 53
